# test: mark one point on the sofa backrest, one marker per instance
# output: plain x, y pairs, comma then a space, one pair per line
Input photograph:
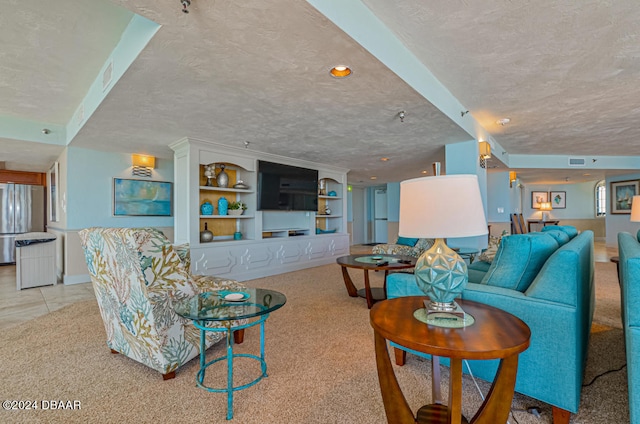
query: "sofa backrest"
519, 259
567, 276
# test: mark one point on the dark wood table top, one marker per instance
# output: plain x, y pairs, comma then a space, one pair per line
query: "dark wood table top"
359, 261
495, 334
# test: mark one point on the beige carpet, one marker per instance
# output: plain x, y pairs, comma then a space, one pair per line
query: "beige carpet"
319, 353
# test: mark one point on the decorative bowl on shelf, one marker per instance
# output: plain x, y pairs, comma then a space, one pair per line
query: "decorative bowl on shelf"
240, 184
236, 212
321, 231
333, 194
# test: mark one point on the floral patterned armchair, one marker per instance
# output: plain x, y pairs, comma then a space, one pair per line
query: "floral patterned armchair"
137, 276
410, 249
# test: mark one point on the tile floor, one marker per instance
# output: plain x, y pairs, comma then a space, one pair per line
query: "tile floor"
24, 305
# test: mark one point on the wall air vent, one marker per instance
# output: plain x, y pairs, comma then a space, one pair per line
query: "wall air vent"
577, 162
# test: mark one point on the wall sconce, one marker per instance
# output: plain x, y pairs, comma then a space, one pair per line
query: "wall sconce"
142, 165
485, 153
512, 178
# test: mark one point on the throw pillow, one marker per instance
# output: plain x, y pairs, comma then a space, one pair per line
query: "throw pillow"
569, 229
405, 241
519, 259
561, 237
489, 253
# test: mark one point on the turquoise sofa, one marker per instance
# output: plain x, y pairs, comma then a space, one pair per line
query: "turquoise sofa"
545, 279
629, 253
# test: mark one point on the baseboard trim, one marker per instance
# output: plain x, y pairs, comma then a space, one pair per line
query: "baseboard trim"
76, 279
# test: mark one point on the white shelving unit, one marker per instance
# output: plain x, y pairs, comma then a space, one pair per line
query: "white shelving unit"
326, 223
272, 242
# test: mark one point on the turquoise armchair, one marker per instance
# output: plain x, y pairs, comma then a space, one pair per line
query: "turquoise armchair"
557, 306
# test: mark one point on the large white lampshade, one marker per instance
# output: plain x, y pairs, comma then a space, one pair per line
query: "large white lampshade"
441, 207
444, 206
635, 209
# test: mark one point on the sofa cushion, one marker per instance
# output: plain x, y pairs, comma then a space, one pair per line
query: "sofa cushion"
569, 229
477, 271
560, 236
519, 259
406, 241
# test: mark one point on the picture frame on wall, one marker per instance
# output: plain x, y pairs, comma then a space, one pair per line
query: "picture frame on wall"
538, 197
622, 193
558, 199
142, 197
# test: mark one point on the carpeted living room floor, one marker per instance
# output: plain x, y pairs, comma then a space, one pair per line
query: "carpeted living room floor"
319, 350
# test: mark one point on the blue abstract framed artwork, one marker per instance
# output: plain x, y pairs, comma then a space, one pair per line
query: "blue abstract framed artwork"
622, 193
142, 197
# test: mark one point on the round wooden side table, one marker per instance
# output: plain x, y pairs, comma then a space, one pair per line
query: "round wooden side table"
368, 262
495, 334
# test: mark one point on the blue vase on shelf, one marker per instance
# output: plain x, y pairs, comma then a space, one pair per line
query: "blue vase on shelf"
223, 206
206, 209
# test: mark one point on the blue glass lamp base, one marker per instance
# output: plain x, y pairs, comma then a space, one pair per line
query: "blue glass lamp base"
442, 275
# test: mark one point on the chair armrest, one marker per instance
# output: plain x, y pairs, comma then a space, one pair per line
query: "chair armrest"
205, 283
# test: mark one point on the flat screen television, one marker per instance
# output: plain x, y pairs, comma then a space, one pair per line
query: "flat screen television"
286, 188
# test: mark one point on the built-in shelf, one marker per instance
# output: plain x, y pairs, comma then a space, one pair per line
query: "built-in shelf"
227, 189
285, 232
271, 242
226, 216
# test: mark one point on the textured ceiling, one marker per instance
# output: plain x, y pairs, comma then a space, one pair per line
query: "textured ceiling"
565, 72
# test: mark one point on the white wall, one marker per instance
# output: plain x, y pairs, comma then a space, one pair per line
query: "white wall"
86, 200
89, 179
498, 197
580, 201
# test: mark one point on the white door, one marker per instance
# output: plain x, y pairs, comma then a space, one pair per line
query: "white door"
358, 225
380, 230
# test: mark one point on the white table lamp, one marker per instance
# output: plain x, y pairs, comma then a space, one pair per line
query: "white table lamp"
544, 208
635, 209
441, 207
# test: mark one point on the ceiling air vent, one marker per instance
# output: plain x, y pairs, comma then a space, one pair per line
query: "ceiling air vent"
577, 162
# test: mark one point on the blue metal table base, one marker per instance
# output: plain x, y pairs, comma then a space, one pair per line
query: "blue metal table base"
229, 357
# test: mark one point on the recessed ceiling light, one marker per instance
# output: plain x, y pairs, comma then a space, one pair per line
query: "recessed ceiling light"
384, 159
46, 131
374, 177
340, 71
503, 121
425, 172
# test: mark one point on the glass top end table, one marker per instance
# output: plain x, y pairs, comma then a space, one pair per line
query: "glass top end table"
251, 306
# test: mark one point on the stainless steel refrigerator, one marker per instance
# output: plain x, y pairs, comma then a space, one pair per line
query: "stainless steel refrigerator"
21, 211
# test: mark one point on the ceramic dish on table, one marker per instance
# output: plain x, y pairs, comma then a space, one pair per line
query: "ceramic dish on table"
235, 296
